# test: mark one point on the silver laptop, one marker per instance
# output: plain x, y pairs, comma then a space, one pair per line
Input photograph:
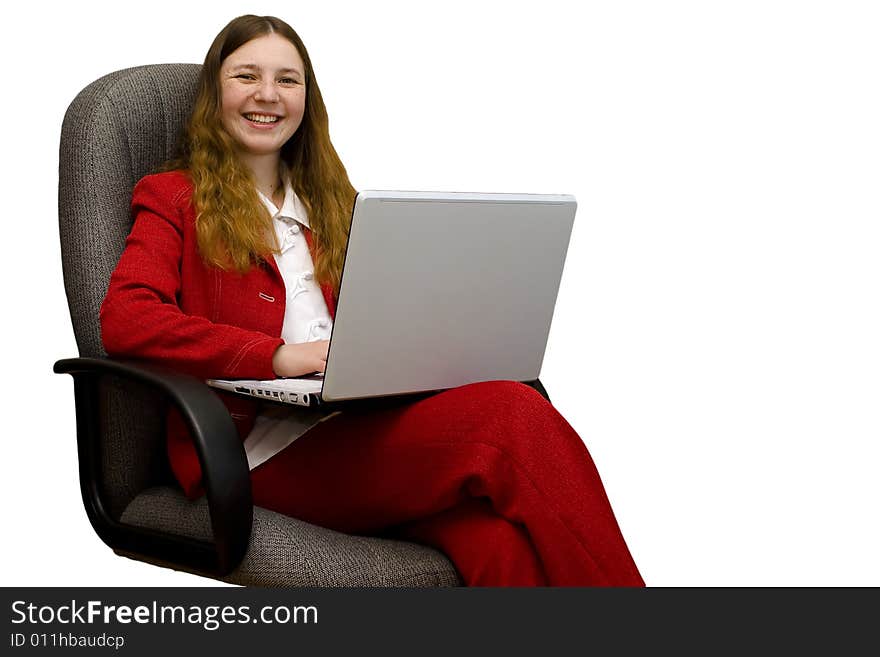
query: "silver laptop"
439, 289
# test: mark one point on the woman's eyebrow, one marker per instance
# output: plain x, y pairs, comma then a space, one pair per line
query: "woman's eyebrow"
254, 67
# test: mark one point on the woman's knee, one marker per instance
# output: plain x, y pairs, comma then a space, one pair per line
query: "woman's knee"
507, 394
510, 416
496, 418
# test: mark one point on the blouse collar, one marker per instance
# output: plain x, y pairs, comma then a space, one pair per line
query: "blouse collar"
292, 207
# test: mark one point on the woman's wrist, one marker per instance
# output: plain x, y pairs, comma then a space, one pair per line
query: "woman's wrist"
281, 361
300, 359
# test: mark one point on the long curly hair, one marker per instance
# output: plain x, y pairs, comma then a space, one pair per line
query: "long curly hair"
234, 230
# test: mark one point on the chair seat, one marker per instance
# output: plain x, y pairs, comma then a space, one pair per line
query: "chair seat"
284, 551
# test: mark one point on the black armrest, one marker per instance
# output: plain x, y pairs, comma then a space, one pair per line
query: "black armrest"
225, 473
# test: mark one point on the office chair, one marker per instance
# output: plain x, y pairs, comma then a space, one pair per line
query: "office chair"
118, 129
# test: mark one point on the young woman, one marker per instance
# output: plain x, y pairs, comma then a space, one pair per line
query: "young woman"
232, 269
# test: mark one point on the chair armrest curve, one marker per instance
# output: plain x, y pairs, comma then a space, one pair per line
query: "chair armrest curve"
226, 477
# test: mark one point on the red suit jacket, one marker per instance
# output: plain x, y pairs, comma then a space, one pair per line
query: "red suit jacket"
166, 305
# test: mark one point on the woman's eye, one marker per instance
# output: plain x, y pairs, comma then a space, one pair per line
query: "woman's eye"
245, 76
288, 81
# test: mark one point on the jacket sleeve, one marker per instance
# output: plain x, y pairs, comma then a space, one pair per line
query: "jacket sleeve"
140, 315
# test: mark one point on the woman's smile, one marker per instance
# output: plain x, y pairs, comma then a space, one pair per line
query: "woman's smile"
262, 121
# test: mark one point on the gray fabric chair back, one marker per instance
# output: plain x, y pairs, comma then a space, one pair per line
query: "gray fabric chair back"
118, 129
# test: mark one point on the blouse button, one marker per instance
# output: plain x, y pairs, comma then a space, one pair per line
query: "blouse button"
308, 276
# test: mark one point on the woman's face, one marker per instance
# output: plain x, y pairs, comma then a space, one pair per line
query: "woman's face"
263, 94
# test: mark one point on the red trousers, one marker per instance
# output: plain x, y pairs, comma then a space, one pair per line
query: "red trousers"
490, 474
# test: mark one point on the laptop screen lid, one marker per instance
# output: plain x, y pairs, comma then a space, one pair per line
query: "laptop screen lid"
441, 289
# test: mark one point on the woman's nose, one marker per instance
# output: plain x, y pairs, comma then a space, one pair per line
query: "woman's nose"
267, 92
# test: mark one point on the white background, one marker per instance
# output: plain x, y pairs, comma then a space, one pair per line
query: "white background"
715, 341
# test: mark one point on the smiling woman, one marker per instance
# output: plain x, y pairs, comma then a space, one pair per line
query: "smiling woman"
232, 271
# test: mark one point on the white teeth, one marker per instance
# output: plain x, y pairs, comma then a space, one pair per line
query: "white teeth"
260, 118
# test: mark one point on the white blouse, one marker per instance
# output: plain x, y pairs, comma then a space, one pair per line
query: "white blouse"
306, 319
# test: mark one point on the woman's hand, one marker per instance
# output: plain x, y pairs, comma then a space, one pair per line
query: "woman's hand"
301, 358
